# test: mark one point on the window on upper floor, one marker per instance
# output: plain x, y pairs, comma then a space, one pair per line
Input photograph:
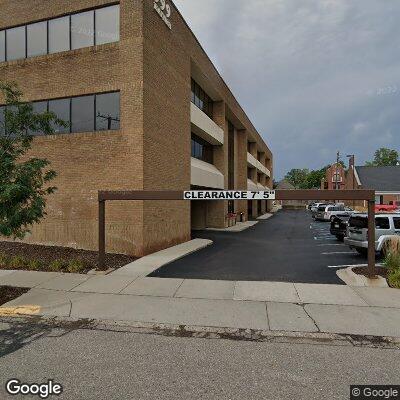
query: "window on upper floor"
200, 98
107, 111
62, 108
15, 43
37, 39
107, 25
97, 112
75, 31
59, 39
82, 30
201, 149
82, 114
2, 46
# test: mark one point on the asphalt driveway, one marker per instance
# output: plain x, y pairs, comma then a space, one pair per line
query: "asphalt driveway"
289, 247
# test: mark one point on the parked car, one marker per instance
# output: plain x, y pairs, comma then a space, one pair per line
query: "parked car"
339, 225
315, 206
386, 225
386, 208
328, 212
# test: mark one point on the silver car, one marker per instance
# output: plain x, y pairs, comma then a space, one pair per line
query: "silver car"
387, 225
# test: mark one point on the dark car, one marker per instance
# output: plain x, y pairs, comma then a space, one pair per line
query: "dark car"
339, 224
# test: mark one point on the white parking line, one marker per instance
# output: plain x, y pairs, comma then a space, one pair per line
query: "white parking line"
338, 252
331, 244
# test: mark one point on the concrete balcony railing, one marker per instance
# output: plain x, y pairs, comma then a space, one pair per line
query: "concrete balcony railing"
206, 175
253, 162
203, 126
251, 186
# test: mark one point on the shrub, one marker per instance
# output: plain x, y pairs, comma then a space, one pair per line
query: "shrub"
34, 265
394, 278
18, 262
4, 260
392, 262
76, 266
57, 265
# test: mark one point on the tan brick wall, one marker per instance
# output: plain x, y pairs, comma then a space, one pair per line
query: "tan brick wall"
87, 162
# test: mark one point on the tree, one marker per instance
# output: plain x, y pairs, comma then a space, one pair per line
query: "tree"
384, 157
23, 180
297, 177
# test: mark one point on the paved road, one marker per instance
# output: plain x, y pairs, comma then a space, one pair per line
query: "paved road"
289, 247
108, 365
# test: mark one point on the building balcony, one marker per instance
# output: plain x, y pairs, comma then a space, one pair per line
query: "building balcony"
203, 126
254, 163
251, 186
206, 175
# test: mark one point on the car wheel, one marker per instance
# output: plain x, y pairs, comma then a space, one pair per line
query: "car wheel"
340, 238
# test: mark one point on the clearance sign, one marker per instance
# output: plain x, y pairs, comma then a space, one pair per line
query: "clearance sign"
228, 195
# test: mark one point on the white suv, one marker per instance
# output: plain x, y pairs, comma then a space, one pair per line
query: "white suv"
328, 212
387, 225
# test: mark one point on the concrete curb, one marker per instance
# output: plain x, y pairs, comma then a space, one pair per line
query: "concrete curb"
148, 264
350, 278
186, 331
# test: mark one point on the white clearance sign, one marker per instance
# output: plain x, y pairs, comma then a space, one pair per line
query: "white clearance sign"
228, 195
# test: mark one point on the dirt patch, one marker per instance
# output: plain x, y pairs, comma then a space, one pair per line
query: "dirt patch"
49, 254
381, 271
8, 293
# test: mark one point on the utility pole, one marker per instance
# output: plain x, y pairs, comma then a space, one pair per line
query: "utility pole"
337, 185
109, 119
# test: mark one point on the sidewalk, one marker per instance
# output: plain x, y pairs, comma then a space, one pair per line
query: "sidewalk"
128, 295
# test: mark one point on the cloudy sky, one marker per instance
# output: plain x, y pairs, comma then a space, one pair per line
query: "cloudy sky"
315, 76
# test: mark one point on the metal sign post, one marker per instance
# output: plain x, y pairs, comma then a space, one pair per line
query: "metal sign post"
323, 195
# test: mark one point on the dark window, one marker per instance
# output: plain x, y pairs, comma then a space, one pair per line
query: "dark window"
248, 147
107, 111
59, 35
107, 25
82, 30
201, 150
201, 99
82, 114
396, 221
382, 223
16, 43
2, 122
358, 222
2, 46
249, 173
62, 109
38, 107
37, 39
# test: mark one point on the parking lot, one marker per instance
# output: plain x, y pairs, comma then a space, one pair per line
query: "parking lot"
289, 247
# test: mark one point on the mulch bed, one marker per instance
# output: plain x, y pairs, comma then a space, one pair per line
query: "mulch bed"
47, 254
364, 271
8, 293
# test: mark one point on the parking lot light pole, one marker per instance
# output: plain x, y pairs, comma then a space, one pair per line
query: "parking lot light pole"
371, 239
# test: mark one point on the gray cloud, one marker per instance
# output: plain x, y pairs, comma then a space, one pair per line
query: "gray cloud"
315, 76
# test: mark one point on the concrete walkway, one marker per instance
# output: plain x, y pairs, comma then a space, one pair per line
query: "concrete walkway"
265, 306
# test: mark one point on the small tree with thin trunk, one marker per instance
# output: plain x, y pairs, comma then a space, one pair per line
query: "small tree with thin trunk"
24, 181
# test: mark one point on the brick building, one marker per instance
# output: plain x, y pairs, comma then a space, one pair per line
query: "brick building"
147, 111
335, 178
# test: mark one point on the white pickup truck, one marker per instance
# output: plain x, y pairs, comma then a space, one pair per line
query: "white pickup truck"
387, 226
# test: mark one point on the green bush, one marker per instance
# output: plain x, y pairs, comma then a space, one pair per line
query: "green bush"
18, 262
394, 278
57, 265
392, 262
4, 260
34, 265
76, 266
